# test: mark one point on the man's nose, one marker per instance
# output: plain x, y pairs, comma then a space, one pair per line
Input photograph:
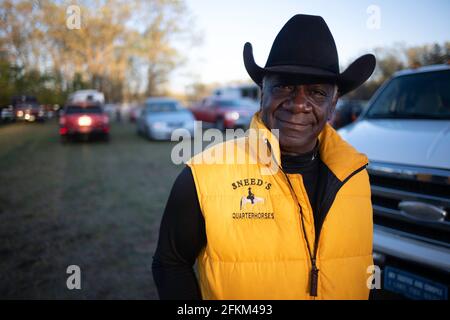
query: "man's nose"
299, 101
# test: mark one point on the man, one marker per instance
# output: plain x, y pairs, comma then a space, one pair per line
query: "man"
309, 235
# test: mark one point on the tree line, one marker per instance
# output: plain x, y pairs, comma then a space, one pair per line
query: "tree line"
390, 59
127, 49
124, 48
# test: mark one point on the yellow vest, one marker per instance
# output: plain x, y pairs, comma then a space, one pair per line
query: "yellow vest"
256, 246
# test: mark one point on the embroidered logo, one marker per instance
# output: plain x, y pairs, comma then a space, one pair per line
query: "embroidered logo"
250, 198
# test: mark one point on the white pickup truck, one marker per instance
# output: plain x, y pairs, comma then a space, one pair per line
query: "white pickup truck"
405, 132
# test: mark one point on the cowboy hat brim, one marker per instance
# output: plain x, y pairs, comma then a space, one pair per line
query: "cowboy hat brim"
355, 75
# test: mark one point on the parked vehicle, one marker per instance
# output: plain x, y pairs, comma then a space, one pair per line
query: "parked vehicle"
249, 91
27, 108
6, 114
406, 134
161, 116
134, 113
83, 119
225, 113
111, 109
346, 112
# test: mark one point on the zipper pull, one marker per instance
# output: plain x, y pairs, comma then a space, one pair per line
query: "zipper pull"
314, 279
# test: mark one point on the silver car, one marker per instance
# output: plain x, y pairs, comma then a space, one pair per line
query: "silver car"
161, 116
405, 132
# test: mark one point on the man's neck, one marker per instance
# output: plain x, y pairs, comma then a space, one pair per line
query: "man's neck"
303, 151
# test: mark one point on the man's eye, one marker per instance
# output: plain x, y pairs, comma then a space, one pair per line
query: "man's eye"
284, 88
319, 93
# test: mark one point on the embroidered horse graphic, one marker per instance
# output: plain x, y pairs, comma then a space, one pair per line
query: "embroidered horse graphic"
250, 199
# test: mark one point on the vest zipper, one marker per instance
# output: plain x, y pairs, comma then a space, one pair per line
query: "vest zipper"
314, 274
314, 278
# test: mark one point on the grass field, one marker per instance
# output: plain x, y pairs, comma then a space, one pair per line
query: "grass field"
93, 204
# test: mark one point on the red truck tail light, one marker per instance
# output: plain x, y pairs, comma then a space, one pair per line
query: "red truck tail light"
63, 131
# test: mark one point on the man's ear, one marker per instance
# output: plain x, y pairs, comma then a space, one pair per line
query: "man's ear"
261, 100
261, 96
332, 107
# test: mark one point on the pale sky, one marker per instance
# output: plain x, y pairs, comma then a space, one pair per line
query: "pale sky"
227, 25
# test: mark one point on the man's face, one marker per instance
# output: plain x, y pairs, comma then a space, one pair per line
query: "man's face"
299, 112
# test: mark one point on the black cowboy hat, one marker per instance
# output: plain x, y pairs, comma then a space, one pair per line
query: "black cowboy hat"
305, 49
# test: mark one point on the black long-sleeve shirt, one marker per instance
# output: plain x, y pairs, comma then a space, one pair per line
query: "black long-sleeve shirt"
182, 233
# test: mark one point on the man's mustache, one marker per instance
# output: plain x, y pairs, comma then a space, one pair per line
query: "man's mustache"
301, 119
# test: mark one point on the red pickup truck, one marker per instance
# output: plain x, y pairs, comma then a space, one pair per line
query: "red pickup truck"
84, 120
225, 113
